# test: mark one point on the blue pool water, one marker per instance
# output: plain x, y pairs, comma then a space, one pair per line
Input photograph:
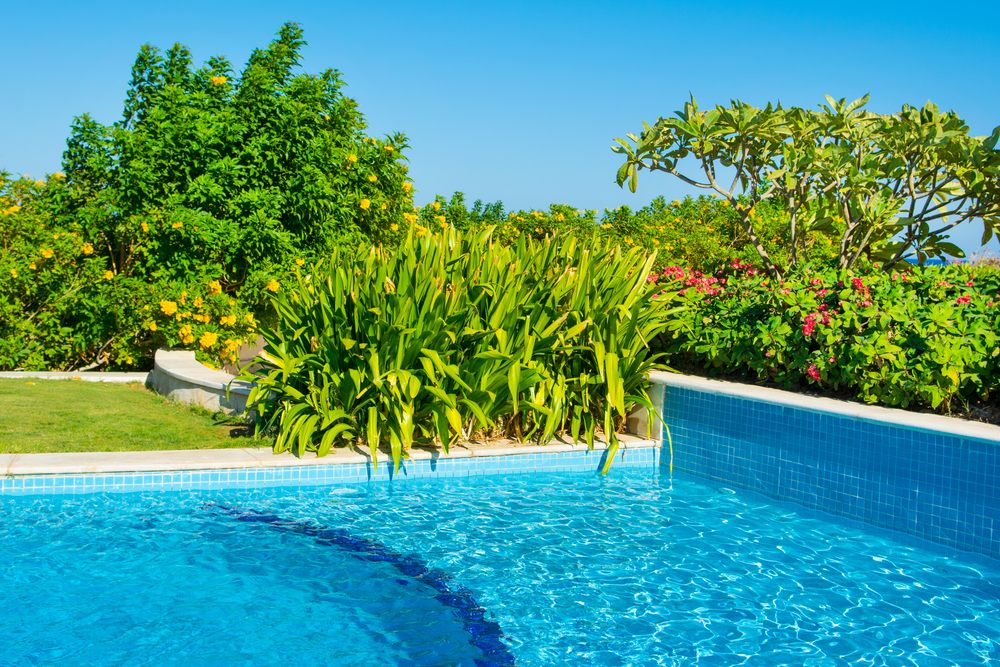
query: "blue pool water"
533, 569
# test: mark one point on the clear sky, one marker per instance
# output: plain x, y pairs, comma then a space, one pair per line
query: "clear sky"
516, 101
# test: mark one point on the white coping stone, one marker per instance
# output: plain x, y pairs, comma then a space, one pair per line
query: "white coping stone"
180, 377
86, 376
869, 413
182, 365
82, 463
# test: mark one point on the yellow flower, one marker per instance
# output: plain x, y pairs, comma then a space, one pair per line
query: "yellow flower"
177, 225
352, 158
300, 261
232, 302
198, 302
365, 204
407, 186
410, 217
444, 225
394, 226
183, 296
168, 307
87, 249
232, 359
436, 206
218, 80
273, 286
152, 326
373, 178
59, 174
421, 230
208, 339
32, 265
385, 206
108, 275
214, 287
46, 253
145, 227
248, 317
188, 339
128, 360
13, 273
389, 149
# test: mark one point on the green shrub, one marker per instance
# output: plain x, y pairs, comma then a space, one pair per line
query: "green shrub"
698, 232
210, 179
926, 337
452, 335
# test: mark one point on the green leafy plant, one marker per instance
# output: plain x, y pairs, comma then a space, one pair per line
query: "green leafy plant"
892, 186
698, 232
927, 337
213, 186
450, 336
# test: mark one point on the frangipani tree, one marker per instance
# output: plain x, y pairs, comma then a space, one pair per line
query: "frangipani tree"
891, 186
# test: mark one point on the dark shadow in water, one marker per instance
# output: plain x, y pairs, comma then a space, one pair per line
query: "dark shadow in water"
486, 634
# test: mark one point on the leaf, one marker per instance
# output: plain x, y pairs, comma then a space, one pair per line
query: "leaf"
373, 436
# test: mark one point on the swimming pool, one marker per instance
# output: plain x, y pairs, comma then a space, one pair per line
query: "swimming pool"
634, 568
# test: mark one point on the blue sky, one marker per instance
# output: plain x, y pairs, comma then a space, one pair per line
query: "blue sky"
517, 101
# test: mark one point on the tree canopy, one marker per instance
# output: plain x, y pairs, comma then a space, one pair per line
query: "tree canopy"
890, 186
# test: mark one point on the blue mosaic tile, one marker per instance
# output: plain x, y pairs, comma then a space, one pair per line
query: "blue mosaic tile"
583, 461
933, 486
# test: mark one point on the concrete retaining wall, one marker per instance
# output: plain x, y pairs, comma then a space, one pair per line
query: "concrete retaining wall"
180, 377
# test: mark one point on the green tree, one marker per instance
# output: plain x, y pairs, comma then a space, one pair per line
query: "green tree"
172, 225
891, 186
230, 176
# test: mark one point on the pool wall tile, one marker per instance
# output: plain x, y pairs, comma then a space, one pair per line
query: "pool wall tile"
938, 486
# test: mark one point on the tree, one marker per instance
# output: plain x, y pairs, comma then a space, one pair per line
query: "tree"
227, 176
891, 186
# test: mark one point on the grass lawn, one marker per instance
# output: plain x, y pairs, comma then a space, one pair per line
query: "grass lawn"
74, 416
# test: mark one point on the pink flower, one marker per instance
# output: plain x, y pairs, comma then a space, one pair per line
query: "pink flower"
815, 281
769, 354
809, 326
944, 284
962, 300
969, 283
821, 293
813, 372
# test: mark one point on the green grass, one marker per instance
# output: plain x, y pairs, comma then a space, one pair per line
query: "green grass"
74, 416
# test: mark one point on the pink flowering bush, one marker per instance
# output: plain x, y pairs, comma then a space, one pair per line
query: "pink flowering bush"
925, 337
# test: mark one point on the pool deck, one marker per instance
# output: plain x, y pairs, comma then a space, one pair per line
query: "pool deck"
76, 463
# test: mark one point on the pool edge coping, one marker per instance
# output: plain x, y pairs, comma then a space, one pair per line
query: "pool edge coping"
895, 417
15, 466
